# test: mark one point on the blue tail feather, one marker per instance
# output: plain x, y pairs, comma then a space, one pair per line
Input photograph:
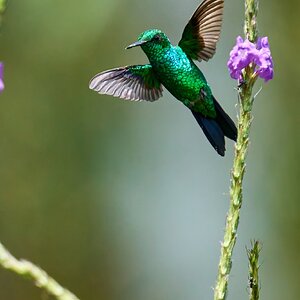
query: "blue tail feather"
212, 131
216, 129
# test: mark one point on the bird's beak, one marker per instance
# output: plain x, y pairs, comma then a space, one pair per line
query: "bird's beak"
138, 43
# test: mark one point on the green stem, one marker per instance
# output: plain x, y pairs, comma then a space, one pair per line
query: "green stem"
250, 27
253, 255
238, 170
32, 272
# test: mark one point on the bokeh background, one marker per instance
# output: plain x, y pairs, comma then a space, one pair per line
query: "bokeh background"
127, 201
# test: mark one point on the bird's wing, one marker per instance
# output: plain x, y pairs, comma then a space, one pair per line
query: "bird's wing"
136, 83
202, 32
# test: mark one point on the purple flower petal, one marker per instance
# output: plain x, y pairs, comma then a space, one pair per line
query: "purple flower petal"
263, 42
264, 61
265, 66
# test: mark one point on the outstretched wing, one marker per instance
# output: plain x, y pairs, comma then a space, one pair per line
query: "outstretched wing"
130, 83
202, 32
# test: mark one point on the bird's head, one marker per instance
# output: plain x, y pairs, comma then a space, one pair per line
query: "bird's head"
151, 40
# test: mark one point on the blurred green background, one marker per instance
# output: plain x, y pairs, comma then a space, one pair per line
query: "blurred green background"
127, 201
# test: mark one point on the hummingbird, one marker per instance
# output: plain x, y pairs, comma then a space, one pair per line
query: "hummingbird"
174, 68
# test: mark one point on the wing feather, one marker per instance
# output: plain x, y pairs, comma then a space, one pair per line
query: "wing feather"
136, 83
202, 32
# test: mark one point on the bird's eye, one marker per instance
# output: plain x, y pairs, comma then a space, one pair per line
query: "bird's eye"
157, 38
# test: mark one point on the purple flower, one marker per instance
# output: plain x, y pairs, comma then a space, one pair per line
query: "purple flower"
240, 56
1, 77
245, 52
264, 60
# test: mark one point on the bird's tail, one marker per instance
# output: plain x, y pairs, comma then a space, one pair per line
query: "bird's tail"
216, 129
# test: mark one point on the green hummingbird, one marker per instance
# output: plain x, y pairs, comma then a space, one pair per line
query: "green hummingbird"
173, 67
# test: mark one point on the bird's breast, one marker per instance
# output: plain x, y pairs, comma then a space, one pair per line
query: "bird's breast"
178, 74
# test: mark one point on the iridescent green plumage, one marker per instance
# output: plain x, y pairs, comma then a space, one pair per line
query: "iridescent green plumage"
173, 67
181, 77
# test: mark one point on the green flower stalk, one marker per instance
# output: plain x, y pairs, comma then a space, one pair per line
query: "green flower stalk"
32, 272
247, 62
253, 255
